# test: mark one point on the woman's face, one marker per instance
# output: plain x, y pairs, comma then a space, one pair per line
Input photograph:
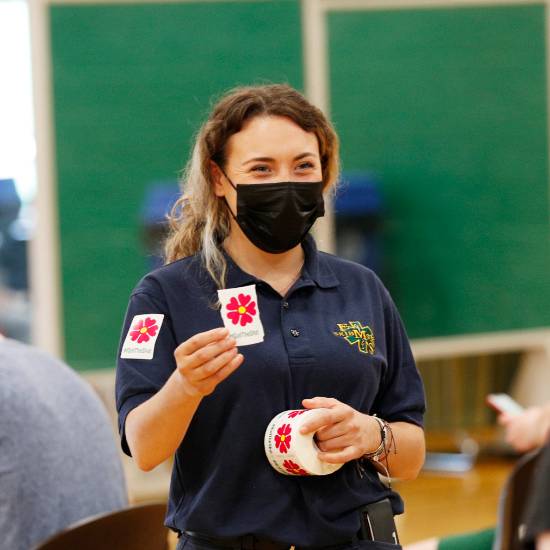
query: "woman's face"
268, 149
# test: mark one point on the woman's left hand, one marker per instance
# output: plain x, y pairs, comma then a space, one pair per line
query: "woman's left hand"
343, 434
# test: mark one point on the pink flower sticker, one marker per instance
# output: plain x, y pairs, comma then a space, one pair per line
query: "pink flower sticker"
143, 330
241, 311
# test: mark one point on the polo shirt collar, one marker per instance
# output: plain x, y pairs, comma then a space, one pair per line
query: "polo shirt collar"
316, 266
316, 270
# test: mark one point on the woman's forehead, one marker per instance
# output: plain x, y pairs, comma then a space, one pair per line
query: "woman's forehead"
271, 136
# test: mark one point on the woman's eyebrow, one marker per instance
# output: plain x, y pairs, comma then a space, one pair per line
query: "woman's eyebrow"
270, 159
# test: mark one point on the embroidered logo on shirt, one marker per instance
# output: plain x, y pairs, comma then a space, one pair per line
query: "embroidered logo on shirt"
355, 333
141, 337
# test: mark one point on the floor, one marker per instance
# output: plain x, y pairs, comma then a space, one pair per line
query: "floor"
437, 504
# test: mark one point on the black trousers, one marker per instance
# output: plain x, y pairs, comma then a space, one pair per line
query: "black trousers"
187, 543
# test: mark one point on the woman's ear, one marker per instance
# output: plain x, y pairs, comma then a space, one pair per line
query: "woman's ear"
217, 179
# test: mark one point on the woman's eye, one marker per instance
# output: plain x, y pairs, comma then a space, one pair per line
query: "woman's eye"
261, 169
306, 165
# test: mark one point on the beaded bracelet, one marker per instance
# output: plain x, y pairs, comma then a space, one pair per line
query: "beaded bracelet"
380, 455
375, 455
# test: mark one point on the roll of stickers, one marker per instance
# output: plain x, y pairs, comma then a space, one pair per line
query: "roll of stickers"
293, 453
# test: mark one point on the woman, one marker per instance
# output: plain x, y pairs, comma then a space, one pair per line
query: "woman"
332, 341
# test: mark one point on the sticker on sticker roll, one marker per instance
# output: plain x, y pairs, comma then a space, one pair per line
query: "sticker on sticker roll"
241, 315
293, 453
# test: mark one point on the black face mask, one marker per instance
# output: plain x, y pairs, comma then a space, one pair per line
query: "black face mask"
277, 216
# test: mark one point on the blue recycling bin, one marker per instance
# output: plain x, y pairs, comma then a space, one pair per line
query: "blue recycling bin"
358, 209
158, 200
13, 240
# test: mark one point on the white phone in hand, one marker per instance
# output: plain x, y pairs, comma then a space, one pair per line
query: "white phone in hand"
503, 403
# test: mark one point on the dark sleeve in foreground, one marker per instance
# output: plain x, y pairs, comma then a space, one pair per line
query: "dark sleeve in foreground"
537, 518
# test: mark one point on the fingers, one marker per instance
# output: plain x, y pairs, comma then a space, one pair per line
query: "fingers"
339, 429
207, 358
327, 417
208, 385
213, 366
232, 366
337, 434
340, 457
320, 402
204, 356
335, 444
200, 340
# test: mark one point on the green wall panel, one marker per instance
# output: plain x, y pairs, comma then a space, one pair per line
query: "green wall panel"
448, 107
131, 85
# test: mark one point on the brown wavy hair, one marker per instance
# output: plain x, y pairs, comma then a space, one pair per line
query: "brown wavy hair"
199, 220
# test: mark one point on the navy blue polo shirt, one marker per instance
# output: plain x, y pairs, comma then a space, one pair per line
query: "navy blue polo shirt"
336, 334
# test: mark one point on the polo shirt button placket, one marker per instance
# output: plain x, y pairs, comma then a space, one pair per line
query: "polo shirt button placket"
285, 305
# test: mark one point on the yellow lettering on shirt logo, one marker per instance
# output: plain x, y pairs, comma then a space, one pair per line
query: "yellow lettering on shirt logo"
355, 333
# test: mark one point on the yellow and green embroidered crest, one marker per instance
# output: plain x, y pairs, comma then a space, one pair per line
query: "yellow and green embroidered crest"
355, 333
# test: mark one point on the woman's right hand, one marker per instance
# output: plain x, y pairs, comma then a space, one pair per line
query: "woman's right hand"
206, 359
